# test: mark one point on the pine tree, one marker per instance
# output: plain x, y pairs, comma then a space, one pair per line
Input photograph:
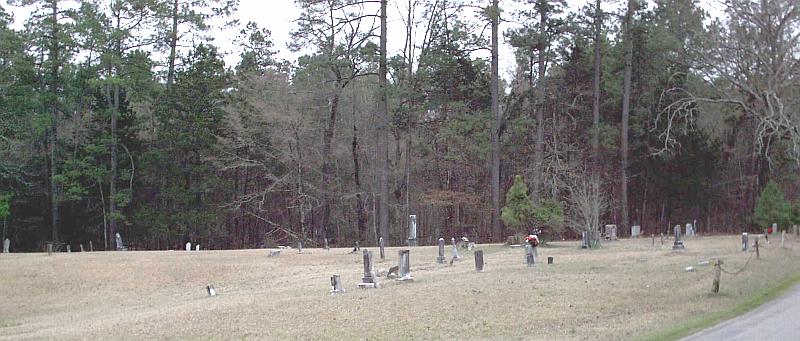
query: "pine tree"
519, 207
772, 207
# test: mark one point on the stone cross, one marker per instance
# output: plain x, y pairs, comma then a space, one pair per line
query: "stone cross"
584, 240
336, 285
69, 248
412, 230
404, 265
6, 245
299, 246
678, 244
440, 259
188, 246
381, 245
81, 245
118, 239
454, 249
530, 258
369, 280
478, 260
91, 247
197, 247
745, 241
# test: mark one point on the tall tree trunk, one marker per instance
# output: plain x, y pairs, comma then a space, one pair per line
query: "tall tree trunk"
327, 163
360, 214
626, 99
598, 26
383, 134
173, 44
495, 84
53, 132
538, 155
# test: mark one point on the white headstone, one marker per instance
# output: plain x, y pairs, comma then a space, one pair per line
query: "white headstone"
6, 245
188, 246
211, 291
440, 258
412, 230
118, 239
611, 231
689, 230
636, 230
455, 249
404, 265
197, 247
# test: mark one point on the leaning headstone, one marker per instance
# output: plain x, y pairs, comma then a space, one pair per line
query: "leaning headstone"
454, 249
299, 246
211, 291
336, 285
81, 247
440, 258
369, 280
636, 230
678, 244
69, 248
188, 246
530, 259
404, 265
197, 247
745, 241
6, 245
478, 260
118, 239
381, 244
412, 230
584, 240
91, 247
49, 249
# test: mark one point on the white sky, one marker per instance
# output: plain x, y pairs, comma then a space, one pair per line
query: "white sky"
278, 17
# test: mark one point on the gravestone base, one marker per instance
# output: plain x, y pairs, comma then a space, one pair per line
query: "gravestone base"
368, 285
678, 245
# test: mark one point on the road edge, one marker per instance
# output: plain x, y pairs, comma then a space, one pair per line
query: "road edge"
711, 319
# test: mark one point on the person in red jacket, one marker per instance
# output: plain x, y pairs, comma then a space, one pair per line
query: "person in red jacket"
533, 240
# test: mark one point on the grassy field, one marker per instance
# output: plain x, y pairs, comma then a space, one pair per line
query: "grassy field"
626, 290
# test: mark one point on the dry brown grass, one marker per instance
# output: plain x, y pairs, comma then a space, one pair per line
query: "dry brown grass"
622, 291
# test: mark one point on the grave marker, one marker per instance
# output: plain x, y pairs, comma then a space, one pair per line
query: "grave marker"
69, 248
636, 230
197, 247
91, 247
211, 291
81, 247
6, 245
550, 260
49, 249
412, 230
783, 237
689, 230
274, 253
454, 250
118, 240
369, 280
584, 240
530, 258
745, 241
611, 231
774, 229
299, 246
678, 244
380, 242
662, 239
336, 285
327, 248
478, 260
440, 258
188, 246
404, 265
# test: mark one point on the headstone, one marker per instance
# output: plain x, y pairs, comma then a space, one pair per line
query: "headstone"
327, 248
611, 232
584, 240
636, 230
440, 258
404, 265
118, 239
211, 291
197, 247
336, 284
550, 260
678, 244
188, 246
470, 246
274, 253
91, 247
654, 240
774, 229
662, 238
49, 249
530, 259
745, 241
381, 244
369, 280
478, 260
412, 230
69, 248
783, 237
455, 249
689, 230
6, 245
694, 227
299, 246
81, 247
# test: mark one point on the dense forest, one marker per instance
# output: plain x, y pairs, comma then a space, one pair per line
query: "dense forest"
122, 117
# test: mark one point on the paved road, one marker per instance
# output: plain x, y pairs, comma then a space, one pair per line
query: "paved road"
775, 320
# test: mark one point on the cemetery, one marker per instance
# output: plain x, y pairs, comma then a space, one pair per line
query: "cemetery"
625, 289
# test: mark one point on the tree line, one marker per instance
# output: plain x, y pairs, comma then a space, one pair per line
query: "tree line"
122, 117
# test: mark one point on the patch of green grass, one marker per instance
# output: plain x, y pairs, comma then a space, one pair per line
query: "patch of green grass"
707, 320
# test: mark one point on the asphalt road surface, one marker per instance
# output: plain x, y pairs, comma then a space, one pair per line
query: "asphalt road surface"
775, 320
